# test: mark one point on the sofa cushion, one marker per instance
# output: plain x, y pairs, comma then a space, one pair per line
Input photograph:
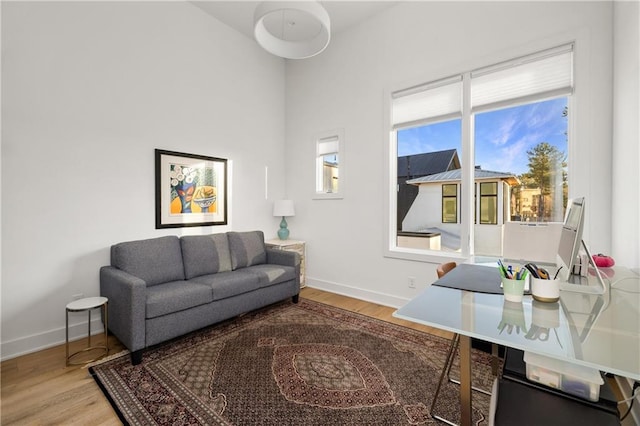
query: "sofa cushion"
272, 274
228, 284
176, 296
155, 260
205, 254
247, 249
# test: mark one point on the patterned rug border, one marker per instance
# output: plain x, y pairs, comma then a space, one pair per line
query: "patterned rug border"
107, 359
354, 319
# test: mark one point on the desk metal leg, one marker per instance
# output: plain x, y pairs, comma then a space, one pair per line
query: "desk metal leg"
495, 361
465, 380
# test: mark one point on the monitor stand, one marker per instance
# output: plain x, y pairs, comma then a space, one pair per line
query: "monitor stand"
601, 288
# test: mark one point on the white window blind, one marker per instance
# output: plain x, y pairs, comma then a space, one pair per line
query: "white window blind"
328, 145
542, 75
427, 103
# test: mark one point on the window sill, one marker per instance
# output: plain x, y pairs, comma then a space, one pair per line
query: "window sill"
327, 196
427, 256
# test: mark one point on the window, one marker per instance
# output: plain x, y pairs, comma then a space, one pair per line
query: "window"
489, 202
449, 203
480, 149
329, 165
428, 136
530, 142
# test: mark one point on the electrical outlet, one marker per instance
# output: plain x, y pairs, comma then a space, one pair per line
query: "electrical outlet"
77, 296
412, 282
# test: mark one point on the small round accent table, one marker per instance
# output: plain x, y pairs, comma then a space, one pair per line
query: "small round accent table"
87, 305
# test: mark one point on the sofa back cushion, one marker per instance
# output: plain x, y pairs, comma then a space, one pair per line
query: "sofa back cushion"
247, 249
205, 254
156, 260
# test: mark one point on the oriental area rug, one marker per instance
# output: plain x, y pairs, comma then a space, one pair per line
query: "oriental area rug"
291, 364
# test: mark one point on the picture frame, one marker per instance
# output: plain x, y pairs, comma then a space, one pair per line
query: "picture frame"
191, 190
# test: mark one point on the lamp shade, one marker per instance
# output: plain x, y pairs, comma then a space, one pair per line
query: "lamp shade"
283, 208
292, 30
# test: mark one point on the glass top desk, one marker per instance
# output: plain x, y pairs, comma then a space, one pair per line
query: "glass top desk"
598, 331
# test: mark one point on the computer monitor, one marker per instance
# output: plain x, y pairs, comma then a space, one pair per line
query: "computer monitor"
570, 238
568, 248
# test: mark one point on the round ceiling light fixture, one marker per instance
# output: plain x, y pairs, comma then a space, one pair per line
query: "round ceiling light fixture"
292, 30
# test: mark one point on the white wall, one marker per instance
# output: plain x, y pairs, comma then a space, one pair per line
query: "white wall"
626, 134
89, 89
426, 210
417, 42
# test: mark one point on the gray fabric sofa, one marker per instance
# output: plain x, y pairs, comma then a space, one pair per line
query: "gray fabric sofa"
165, 287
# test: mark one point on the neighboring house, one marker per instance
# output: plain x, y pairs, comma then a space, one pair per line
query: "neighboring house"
437, 207
528, 203
330, 176
420, 165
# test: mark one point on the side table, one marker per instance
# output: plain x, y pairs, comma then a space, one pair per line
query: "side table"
88, 304
292, 245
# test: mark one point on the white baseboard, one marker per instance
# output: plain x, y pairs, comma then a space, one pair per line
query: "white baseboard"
358, 293
626, 386
37, 342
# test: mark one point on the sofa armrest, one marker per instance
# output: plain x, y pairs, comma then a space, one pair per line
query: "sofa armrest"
285, 258
127, 306
282, 257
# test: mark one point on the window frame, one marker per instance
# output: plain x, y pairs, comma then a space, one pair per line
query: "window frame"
323, 137
494, 196
467, 183
448, 197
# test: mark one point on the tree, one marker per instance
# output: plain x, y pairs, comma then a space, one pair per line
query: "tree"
546, 171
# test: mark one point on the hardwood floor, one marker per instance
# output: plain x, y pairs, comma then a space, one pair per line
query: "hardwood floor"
39, 389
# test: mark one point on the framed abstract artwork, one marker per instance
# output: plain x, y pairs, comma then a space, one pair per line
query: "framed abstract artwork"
191, 190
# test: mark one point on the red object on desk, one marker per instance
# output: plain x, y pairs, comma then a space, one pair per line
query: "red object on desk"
603, 261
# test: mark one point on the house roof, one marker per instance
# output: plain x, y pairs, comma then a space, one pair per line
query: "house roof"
455, 175
428, 163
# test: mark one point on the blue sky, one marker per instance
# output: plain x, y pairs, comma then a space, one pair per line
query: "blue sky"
502, 137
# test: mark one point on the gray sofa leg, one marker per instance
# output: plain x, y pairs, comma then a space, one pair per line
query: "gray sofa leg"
295, 298
136, 357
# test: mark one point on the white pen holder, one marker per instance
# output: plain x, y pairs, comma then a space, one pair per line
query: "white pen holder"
545, 290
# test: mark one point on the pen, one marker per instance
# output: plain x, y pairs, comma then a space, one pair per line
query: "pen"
503, 270
557, 272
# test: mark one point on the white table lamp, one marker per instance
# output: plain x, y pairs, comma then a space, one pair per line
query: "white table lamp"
283, 208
